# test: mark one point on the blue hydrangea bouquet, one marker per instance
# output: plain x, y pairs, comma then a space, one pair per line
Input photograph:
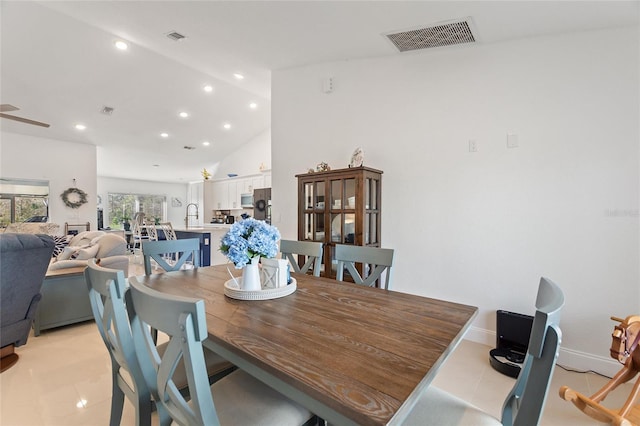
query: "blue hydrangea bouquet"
250, 238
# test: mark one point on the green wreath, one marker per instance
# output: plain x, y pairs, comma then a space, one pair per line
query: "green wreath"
80, 197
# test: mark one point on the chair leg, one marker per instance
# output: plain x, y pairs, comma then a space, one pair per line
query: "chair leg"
117, 400
143, 410
8, 358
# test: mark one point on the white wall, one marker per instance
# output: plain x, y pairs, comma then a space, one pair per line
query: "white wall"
481, 228
246, 160
175, 215
59, 162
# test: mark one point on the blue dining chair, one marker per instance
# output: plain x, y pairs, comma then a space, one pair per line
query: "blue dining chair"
374, 262
312, 252
239, 398
106, 294
107, 290
185, 250
525, 403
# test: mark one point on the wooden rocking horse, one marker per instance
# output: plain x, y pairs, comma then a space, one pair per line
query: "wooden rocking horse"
624, 348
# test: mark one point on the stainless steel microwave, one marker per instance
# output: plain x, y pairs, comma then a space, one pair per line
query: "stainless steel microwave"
246, 201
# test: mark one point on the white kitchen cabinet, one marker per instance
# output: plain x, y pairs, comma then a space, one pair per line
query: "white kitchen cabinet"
226, 194
209, 204
220, 195
234, 189
195, 195
266, 180
256, 182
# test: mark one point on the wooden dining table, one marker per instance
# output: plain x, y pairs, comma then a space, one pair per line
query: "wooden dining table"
352, 355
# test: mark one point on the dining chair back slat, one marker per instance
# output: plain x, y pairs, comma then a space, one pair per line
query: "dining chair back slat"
152, 232
186, 250
374, 262
167, 229
312, 252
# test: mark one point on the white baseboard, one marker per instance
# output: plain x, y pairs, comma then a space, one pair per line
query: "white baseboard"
568, 358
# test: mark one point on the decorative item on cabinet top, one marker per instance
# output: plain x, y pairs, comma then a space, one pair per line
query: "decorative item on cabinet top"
323, 167
357, 158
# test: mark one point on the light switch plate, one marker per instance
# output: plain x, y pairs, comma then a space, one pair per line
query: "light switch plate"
512, 140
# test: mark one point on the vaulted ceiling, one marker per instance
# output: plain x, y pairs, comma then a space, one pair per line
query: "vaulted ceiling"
59, 65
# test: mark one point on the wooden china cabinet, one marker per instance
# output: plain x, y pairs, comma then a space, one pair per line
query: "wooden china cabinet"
340, 207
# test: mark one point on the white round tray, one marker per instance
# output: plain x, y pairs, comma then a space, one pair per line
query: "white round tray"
232, 290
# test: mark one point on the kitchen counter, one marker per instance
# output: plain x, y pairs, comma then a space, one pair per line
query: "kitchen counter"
209, 227
210, 236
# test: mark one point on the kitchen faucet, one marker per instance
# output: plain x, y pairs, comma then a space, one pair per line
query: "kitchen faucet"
186, 219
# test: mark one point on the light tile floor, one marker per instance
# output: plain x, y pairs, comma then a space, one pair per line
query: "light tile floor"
63, 377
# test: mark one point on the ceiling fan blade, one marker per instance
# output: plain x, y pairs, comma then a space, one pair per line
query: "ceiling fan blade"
23, 120
8, 107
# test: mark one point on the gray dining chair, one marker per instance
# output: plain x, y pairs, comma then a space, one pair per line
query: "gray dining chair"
152, 232
107, 290
239, 398
311, 250
170, 255
525, 403
187, 253
138, 234
374, 262
106, 295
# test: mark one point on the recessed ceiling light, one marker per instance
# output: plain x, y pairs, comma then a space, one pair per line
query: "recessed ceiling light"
208, 88
183, 114
206, 143
238, 76
164, 135
253, 105
226, 126
80, 126
121, 45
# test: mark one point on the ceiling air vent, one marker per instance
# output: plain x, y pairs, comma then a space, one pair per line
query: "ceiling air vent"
446, 34
175, 36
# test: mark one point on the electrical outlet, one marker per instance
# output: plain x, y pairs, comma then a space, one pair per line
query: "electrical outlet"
473, 145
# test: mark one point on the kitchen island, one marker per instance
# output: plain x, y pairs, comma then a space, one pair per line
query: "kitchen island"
209, 236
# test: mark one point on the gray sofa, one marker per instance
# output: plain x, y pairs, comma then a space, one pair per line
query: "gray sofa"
24, 259
64, 284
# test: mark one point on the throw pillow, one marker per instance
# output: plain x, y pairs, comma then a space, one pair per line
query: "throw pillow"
87, 253
61, 242
67, 252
